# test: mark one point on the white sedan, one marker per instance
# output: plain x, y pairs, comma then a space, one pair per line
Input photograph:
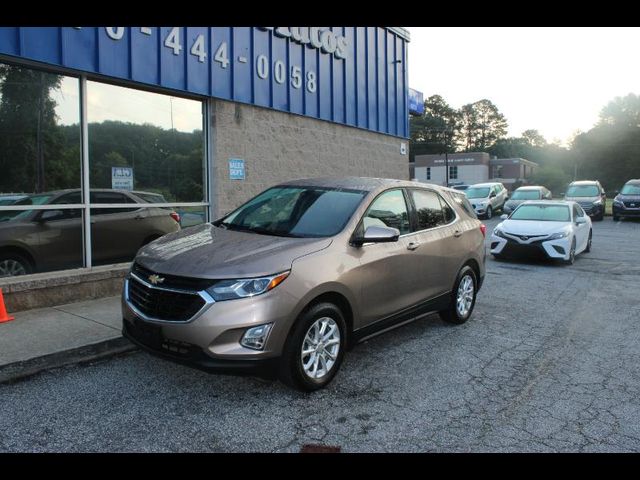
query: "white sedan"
552, 229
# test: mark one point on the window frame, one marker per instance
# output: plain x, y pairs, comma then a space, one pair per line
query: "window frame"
86, 205
414, 210
359, 226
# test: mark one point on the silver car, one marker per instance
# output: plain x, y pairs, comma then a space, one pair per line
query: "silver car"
292, 278
487, 198
522, 194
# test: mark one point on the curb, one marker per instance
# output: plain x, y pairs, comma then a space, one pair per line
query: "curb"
87, 353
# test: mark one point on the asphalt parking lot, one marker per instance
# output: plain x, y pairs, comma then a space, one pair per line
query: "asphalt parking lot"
550, 361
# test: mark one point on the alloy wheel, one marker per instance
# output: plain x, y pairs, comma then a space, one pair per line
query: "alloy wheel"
464, 298
320, 348
11, 268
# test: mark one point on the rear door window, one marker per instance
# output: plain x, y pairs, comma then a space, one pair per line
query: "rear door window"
428, 209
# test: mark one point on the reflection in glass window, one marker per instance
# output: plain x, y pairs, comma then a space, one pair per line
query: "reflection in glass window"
160, 137
39, 132
388, 210
428, 209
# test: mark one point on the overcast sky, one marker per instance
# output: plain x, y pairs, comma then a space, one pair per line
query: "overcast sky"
553, 79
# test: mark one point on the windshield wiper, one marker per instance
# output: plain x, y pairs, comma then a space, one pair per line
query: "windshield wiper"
258, 230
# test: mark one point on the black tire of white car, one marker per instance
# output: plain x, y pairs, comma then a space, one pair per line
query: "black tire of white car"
572, 253
489, 213
451, 314
588, 248
291, 368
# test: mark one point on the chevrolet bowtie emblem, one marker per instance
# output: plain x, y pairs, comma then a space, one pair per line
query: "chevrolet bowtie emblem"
156, 279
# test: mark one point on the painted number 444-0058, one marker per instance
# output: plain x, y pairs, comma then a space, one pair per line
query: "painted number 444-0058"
263, 68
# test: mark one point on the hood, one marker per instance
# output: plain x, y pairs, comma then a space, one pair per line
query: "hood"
629, 198
529, 227
206, 251
582, 199
513, 203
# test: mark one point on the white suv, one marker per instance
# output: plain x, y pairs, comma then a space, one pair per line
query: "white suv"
487, 198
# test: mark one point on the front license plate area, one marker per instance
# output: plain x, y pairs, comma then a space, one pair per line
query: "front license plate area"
148, 333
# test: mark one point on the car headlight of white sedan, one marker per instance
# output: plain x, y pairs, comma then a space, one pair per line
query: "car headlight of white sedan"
559, 235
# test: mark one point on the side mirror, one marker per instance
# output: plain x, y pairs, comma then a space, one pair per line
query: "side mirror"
562, 194
377, 234
49, 215
504, 216
617, 192
581, 220
493, 194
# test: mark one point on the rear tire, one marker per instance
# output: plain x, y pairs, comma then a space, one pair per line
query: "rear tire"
296, 367
463, 297
14, 264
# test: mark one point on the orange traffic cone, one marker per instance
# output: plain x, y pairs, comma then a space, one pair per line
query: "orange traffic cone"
4, 316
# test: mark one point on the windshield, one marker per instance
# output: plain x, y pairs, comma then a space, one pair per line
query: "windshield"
631, 189
296, 212
583, 191
40, 199
477, 192
542, 213
526, 195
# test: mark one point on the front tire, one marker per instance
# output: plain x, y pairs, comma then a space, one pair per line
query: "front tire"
489, 213
315, 348
572, 253
14, 264
616, 218
588, 249
463, 298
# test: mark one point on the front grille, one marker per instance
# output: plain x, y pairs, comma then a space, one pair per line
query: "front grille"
632, 204
164, 304
173, 281
524, 238
516, 249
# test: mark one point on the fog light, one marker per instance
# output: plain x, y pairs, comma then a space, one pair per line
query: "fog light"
256, 337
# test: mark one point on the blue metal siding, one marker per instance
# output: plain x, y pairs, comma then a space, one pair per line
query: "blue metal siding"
367, 89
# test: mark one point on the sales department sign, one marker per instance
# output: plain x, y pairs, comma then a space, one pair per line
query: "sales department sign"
349, 75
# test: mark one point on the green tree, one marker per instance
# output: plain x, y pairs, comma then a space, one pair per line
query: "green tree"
534, 138
32, 150
622, 111
553, 177
481, 125
432, 132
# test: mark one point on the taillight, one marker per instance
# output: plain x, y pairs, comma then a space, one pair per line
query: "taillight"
483, 229
175, 216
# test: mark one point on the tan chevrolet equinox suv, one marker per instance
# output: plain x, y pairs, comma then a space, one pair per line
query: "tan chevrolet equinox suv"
288, 281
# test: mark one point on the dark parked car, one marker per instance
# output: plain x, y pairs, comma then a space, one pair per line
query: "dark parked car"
522, 194
627, 202
43, 240
590, 195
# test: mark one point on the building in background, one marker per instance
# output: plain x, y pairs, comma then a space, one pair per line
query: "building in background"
470, 168
131, 122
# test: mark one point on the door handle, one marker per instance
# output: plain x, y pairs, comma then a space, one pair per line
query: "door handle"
457, 233
413, 245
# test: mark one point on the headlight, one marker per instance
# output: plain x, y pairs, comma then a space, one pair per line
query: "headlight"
246, 287
598, 202
558, 235
498, 232
617, 202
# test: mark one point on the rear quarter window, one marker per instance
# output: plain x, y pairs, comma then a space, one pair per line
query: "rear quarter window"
462, 201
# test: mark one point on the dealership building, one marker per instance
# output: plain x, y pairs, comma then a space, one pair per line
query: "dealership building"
470, 168
109, 134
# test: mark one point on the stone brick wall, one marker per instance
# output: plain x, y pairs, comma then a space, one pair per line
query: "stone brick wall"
278, 146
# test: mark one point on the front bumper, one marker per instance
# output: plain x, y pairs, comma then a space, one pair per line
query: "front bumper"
193, 356
625, 211
211, 339
549, 249
480, 209
593, 210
